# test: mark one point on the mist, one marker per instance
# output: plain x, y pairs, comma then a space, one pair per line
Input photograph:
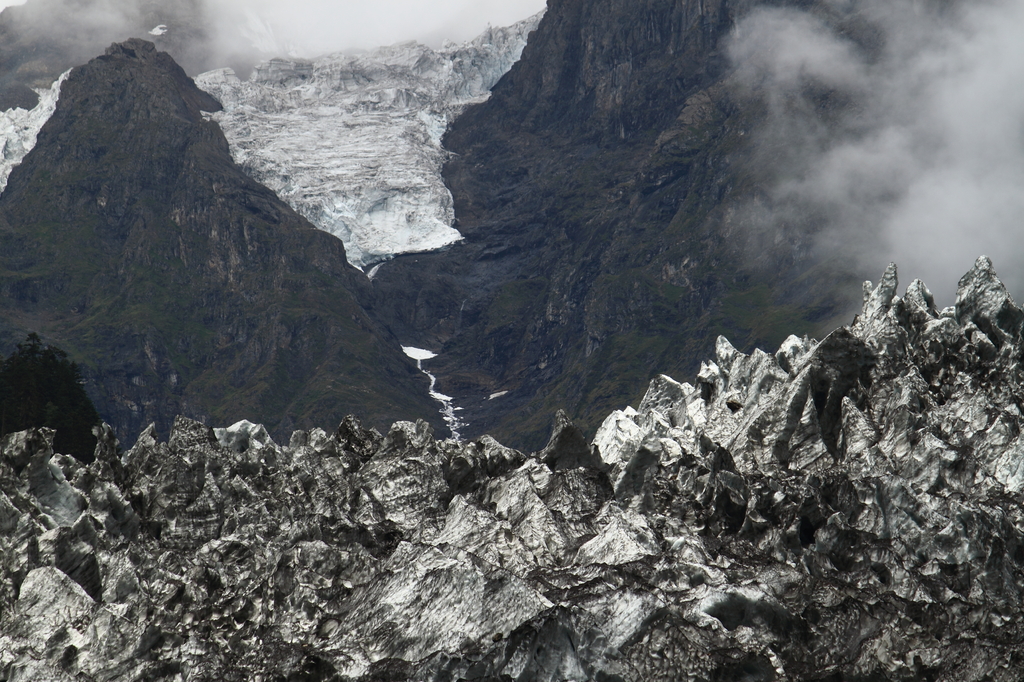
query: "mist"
890, 131
207, 34
312, 27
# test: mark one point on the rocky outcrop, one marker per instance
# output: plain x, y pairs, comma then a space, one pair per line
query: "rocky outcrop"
179, 284
848, 508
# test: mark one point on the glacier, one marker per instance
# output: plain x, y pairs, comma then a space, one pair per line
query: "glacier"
19, 128
353, 142
844, 509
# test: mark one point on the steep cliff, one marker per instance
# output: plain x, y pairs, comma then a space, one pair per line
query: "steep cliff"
845, 509
181, 285
597, 191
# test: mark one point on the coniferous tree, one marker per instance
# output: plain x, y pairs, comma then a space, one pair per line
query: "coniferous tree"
39, 386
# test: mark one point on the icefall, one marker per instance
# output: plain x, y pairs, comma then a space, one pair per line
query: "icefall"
19, 128
353, 143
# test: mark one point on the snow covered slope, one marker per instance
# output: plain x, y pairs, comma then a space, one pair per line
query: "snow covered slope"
19, 127
354, 142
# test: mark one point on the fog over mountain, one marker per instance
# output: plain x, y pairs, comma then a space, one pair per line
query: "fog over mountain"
893, 131
888, 128
306, 28
313, 27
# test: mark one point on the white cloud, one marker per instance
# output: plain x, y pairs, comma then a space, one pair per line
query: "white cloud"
311, 27
907, 146
317, 26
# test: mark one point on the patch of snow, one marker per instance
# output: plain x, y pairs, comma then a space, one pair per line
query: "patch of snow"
353, 142
19, 128
418, 353
158, 30
497, 395
448, 409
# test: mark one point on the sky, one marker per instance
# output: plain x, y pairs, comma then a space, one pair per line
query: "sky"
317, 26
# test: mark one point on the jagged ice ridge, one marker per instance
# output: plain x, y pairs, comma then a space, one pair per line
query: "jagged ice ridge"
849, 508
353, 143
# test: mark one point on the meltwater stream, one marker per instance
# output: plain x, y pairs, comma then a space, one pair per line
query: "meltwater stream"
448, 409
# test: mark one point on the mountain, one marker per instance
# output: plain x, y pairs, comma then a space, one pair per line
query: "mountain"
845, 509
353, 142
600, 201
375, 180
599, 192
179, 284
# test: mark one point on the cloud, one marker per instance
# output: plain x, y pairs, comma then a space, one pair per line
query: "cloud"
311, 27
211, 33
891, 131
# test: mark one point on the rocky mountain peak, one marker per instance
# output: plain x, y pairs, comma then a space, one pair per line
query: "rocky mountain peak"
142, 57
42, 39
982, 300
596, 76
133, 48
179, 283
846, 508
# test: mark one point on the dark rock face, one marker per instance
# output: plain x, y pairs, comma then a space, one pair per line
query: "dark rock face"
596, 190
607, 70
848, 509
179, 284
